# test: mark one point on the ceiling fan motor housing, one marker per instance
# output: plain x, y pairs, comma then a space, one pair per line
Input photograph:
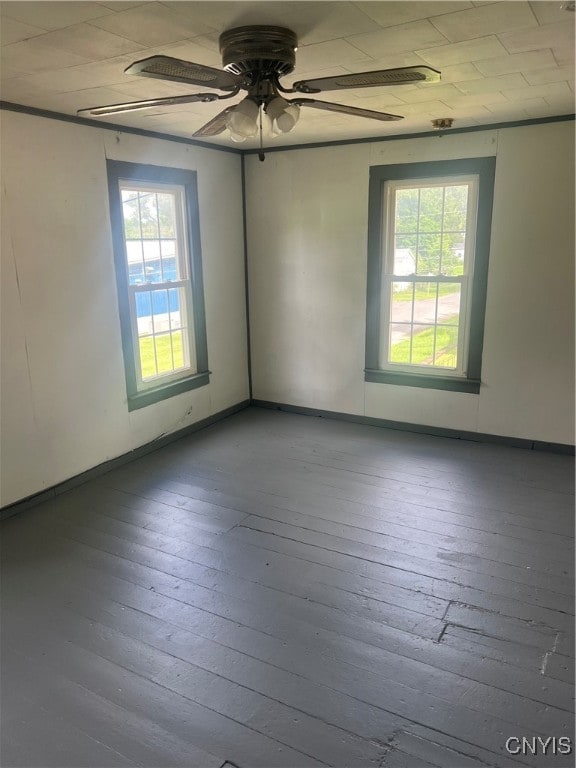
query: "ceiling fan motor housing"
269, 51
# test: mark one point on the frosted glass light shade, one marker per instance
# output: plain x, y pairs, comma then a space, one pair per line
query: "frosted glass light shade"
243, 120
288, 118
283, 115
276, 107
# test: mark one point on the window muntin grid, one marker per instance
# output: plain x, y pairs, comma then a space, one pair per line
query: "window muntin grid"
427, 266
159, 286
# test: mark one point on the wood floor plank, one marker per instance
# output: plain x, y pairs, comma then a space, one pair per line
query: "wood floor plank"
313, 631
388, 513
177, 558
389, 534
280, 591
173, 663
483, 645
380, 634
400, 581
439, 755
55, 742
375, 569
302, 488
166, 706
559, 666
517, 505
138, 738
449, 566
366, 690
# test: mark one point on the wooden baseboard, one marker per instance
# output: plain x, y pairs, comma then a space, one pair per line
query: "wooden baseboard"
160, 442
457, 434
125, 458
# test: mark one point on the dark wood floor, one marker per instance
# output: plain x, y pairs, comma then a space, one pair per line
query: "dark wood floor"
281, 590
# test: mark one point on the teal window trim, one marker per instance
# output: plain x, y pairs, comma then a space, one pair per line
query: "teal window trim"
484, 168
117, 171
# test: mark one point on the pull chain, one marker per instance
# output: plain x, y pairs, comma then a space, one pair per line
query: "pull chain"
261, 155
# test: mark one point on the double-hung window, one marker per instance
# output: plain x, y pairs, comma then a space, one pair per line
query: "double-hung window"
155, 228
429, 233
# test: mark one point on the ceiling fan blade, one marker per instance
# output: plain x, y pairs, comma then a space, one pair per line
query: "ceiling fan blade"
180, 71
132, 106
345, 109
216, 125
399, 76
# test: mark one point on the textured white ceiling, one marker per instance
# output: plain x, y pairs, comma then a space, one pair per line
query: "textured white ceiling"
500, 61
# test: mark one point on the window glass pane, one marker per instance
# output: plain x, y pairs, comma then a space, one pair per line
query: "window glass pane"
424, 315
401, 304
406, 218
160, 310
143, 312
153, 260
455, 208
422, 345
167, 214
134, 256
169, 263
453, 244
405, 254
152, 265
148, 214
178, 350
163, 343
147, 357
448, 304
429, 249
162, 339
130, 214
446, 353
150, 229
399, 344
176, 302
430, 211
425, 302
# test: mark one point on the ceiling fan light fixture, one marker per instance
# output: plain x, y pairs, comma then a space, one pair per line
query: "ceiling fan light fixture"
288, 118
236, 137
243, 120
275, 107
283, 115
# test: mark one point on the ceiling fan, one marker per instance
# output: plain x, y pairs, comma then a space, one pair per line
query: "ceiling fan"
254, 58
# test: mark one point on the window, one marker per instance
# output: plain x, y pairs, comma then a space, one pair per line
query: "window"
428, 245
155, 229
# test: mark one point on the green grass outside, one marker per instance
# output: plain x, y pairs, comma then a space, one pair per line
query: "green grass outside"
163, 354
423, 347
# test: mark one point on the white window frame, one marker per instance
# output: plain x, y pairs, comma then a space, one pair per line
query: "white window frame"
184, 284
388, 276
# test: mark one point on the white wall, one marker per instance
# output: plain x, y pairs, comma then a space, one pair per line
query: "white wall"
63, 407
307, 220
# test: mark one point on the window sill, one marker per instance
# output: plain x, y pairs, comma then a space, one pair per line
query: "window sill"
163, 392
449, 383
